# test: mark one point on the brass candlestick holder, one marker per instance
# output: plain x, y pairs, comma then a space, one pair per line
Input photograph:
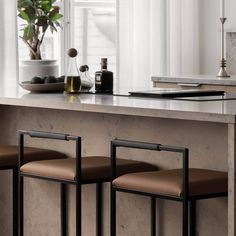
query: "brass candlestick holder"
223, 73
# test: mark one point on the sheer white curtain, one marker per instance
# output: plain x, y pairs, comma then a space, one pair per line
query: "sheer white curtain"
175, 38
182, 37
8, 41
156, 37
134, 30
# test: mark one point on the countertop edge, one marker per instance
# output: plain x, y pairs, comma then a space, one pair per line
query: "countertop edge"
122, 110
200, 80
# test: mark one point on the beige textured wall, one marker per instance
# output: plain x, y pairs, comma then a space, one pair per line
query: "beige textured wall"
208, 149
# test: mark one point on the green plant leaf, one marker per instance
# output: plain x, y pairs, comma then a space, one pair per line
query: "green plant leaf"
28, 32
24, 4
46, 6
45, 2
31, 13
24, 16
54, 11
56, 17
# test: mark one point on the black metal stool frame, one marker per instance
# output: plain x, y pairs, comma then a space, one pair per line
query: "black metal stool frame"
188, 202
63, 195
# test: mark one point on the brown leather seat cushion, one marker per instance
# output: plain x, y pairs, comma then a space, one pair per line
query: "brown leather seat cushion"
169, 182
94, 167
9, 155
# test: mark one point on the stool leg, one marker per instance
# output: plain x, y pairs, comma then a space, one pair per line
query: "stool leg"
21, 205
15, 201
192, 218
185, 218
98, 209
78, 210
153, 216
113, 211
63, 210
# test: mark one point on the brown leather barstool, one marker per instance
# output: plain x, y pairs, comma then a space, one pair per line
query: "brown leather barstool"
186, 185
76, 171
9, 161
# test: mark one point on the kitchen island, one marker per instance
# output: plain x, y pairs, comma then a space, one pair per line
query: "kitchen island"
207, 128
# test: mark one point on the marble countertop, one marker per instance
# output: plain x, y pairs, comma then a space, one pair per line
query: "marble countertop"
213, 111
196, 79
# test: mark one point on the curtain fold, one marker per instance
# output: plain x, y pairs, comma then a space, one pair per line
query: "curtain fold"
8, 41
190, 37
134, 43
156, 37
181, 50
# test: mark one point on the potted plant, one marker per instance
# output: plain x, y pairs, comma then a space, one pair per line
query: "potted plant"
39, 16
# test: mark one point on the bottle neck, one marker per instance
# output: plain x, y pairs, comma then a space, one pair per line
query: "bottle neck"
86, 72
103, 67
72, 69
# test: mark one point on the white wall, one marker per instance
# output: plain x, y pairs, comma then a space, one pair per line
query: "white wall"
209, 32
231, 15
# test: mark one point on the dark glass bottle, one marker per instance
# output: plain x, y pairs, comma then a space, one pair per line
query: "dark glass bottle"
72, 79
104, 79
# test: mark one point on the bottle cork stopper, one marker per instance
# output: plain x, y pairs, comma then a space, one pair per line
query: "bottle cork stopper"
103, 60
72, 52
84, 68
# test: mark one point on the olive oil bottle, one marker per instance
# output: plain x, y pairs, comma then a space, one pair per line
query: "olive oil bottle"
72, 79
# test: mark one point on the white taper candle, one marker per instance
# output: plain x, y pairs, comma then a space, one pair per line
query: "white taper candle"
222, 8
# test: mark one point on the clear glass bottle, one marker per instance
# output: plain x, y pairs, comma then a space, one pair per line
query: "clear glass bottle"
104, 79
86, 79
72, 79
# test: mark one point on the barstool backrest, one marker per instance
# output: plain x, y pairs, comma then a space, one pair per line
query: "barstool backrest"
50, 135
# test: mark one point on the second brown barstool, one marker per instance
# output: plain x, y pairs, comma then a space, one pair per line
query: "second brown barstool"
186, 185
76, 171
9, 161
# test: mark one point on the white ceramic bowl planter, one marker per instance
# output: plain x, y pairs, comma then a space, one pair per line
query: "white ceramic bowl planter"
30, 68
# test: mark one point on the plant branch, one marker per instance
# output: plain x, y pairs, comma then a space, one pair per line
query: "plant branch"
25, 41
41, 40
29, 46
37, 36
